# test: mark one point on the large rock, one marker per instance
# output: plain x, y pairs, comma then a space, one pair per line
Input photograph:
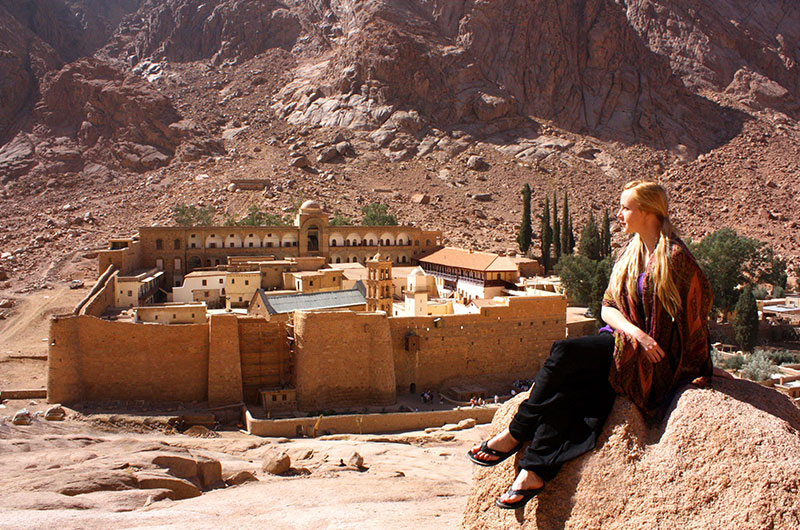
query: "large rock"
276, 463
725, 457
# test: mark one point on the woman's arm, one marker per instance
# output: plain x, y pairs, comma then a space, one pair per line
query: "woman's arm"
614, 318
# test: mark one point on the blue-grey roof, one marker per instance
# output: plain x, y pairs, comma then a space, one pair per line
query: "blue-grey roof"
310, 301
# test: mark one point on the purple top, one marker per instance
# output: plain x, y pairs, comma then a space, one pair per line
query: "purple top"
639, 289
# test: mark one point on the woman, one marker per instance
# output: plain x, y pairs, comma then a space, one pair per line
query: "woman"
656, 307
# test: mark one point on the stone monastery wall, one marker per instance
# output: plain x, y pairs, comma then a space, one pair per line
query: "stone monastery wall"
499, 345
341, 358
91, 359
104, 298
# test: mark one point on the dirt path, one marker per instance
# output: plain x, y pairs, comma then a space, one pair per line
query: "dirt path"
23, 336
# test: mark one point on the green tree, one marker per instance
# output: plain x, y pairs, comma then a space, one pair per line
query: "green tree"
546, 235
184, 215
340, 220
602, 273
591, 246
525, 231
556, 231
577, 276
745, 325
730, 260
571, 234
254, 217
605, 234
376, 214
566, 227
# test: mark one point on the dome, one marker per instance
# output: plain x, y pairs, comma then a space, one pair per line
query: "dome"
310, 205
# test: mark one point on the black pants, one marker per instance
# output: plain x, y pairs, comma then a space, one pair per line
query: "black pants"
570, 400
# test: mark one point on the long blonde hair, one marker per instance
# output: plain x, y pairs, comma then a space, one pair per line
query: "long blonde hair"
650, 198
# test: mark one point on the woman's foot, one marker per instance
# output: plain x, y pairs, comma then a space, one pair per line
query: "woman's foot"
502, 443
525, 481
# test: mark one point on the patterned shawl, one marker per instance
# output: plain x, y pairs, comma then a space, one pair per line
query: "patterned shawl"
684, 340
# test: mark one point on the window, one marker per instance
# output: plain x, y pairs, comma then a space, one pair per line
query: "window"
159, 264
176, 244
212, 245
193, 245
174, 316
206, 294
204, 283
220, 280
333, 242
250, 244
155, 317
233, 280
310, 283
159, 244
247, 282
231, 245
177, 264
130, 293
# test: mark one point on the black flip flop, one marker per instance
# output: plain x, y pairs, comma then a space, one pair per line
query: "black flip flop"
526, 496
499, 454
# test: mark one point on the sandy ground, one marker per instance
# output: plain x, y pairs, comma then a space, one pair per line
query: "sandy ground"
412, 480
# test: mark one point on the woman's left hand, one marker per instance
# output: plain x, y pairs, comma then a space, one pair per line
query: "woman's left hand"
650, 347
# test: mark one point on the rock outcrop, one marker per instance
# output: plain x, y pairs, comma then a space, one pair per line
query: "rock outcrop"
724, 458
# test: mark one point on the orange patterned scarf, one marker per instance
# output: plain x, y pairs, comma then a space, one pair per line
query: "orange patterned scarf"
684, 340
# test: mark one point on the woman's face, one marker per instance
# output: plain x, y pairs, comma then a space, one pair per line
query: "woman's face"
630, 216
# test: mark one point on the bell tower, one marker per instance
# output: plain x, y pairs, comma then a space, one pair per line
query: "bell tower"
379, 284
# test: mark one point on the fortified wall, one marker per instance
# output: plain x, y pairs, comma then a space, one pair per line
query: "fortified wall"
340, 358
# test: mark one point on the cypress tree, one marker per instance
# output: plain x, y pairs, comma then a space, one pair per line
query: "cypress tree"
565, 227
745, 325
556, 231
525, 230
571, 234
547, 235
590, 245
606, 234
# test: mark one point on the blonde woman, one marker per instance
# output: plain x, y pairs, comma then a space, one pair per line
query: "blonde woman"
656, 309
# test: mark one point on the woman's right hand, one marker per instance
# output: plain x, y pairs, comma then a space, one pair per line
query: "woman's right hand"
649, 347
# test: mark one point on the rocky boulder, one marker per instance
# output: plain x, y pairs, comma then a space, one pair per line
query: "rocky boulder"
725, 457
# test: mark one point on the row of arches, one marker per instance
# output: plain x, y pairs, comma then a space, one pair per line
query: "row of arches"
370, 239
249, 241
340, 258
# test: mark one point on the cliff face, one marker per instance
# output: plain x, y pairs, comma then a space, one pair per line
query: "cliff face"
724, 458
564, 95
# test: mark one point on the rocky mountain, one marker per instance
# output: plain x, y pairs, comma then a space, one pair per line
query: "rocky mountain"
108, 104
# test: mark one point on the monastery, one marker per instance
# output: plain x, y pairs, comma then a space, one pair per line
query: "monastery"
301, 318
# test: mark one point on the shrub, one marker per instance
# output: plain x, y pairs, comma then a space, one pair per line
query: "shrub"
733, 363
758, 367
779, 357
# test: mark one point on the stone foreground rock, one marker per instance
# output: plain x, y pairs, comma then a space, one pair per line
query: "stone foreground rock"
726, 457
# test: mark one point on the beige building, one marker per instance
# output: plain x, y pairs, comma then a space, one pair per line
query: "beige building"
138, 288
202, 286
240, 288
468, 274
314, 281
180, 250
172, 313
